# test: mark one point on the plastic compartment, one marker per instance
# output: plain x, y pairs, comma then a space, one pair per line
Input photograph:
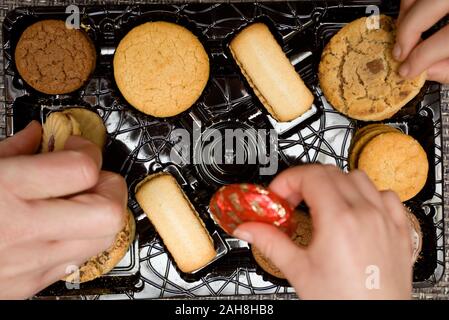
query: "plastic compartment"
139, 145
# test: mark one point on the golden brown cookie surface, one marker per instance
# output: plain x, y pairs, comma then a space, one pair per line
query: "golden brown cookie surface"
395, 161
161, 68
53, 59
362, 137
359, 76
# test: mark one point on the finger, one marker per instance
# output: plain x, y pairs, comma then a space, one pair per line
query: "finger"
276, 246
419, 18
38, 257
99, 213
396, 210
349, 190
364, 186
405, 7
52, 175
439, 72
314, 185
426, 54
24, 142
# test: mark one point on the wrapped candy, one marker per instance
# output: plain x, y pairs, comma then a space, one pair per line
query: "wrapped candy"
235, 204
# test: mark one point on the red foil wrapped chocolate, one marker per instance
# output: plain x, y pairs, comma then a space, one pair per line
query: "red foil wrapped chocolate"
235, 204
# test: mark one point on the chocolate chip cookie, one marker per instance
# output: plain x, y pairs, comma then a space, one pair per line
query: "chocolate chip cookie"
359, 76
53, 59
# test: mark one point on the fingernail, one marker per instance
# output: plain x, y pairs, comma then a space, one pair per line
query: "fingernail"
243, 235
404, 70
397, 51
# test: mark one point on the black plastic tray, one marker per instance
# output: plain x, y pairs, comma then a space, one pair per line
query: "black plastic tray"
140, 144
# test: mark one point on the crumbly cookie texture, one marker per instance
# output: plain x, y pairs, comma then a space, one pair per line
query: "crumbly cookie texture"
395, 161
53, 59
359, 76
161, 68
59, 126
302, 237
107, 260
362, 137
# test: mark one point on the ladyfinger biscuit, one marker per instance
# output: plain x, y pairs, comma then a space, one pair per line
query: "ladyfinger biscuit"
269, 72
176, 221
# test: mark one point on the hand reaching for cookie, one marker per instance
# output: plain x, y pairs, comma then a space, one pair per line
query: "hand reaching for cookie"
357, 231
57, 210
417, 16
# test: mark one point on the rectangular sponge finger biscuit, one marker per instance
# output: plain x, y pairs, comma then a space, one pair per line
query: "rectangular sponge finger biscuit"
269, 72
176, 221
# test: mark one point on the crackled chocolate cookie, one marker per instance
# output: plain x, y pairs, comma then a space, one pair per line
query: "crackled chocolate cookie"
359, 76
395, 161
53, 59
302, 237
161, 68
59, 126
107, 260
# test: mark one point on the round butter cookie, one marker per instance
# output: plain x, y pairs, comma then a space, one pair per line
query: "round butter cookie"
362, 137
161, 68
359, 76
53, 59
395, 161
302, 237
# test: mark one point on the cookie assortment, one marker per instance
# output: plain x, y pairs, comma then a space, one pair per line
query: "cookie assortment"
164, 69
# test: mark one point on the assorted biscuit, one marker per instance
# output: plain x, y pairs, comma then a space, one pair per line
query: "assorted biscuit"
162, 68
59, 126
391, 159
359, 76
270, 74
176, 221
54, 59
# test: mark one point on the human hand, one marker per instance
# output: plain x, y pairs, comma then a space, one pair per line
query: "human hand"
417, 16
354, 227
56, 210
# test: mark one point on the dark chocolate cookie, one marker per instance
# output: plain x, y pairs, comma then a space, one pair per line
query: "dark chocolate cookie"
54, 59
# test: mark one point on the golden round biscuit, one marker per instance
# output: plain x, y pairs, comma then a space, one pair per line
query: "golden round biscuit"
108, 259
302, 237
161, 68
362, 138
395, 161
58, 127
359, 76
91, 125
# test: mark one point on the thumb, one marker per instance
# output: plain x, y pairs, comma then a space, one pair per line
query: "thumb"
24, 142
276, 246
